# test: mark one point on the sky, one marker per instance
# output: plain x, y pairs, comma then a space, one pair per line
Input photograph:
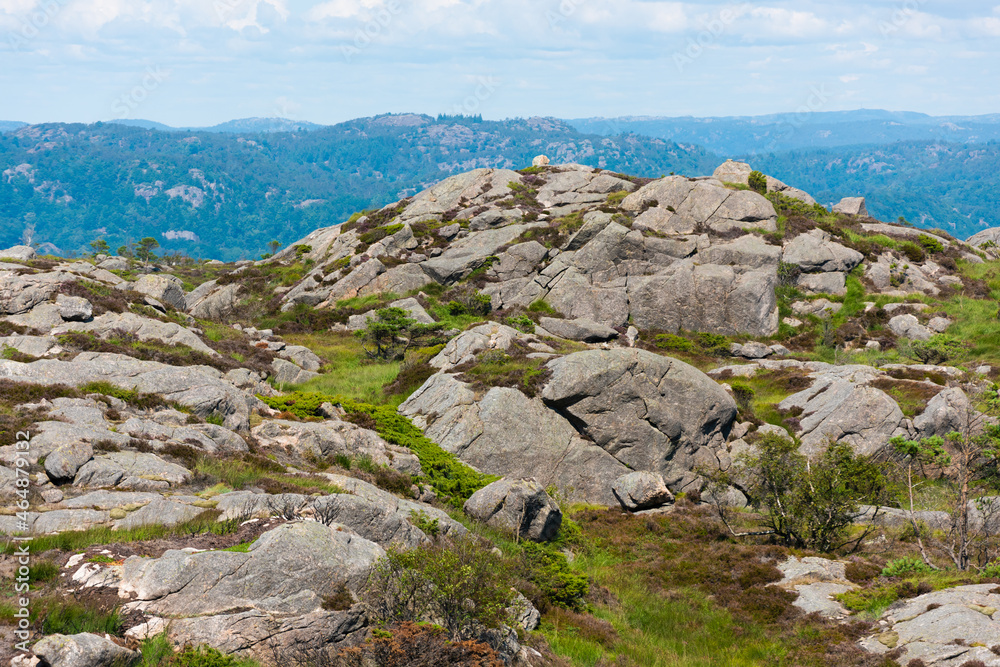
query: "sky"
202, 62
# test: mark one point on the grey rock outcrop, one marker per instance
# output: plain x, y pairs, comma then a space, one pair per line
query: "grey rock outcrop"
816, 252
164, 288
706, 297
580, 329
510, 434
62, 464
650, 412
908, 326
285, 572
143, 328
133, 471
287, 373
82, 650
852, 206
641, 490
198, 387
521, 507
21, 253
215, 303
925, 627
949, 411
74, 308
835, 409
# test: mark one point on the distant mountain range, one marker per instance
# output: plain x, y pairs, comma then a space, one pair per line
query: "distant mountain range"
223, 195
8, 125
759, 135
226, 191
241, 126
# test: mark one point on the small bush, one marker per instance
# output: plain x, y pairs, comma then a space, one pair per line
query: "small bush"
439, 581
541, 306
930, 244
904, 566
522, 323
758, 182
913, 252
673, 342
44, 570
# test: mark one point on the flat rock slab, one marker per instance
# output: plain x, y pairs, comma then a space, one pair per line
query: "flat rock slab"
160, 512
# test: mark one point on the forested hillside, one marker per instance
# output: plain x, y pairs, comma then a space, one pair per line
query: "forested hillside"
226, 196
931, 184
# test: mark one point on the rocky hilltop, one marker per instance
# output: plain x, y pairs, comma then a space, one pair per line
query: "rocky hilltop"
252, 459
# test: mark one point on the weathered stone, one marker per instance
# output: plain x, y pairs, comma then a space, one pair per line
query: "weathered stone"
468, 254
510, 434
287, 373
160, 512
63, 463
641, 490
323, 439
580, 329
949, 411
286, 571
165, 288
521, 507
21, 253
815, 251
908, 326
706, 297
835, 409
144, 328
749, 251
852, 206
198, 387
74, 308
136, 471
823, 283
83, 650
650, 412
216, 303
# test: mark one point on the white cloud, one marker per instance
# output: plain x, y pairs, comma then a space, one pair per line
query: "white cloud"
848, 78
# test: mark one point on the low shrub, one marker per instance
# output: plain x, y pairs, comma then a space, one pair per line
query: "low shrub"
904, 566
460, 584
673, 342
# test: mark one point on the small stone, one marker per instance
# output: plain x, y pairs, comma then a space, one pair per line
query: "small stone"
540, 161
939, 324
52, 496
873, 345
792, 322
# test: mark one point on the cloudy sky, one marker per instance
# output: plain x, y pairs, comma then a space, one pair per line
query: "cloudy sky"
200, 62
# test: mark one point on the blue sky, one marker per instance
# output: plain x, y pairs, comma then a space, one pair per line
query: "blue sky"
200, 62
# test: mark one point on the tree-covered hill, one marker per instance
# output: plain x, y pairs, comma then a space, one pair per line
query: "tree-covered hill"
225, 196
930, 183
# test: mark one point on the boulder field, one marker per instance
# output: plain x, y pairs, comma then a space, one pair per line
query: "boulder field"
620, 336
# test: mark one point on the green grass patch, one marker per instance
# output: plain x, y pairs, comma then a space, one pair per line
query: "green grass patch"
347, 372
71, 618
449, 477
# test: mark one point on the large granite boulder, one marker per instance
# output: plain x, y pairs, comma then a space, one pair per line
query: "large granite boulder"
949, 411
21, 253
144, 328
506, 433
852, 206
650, 412
62, 464
216, 303
948, 628
706, 297
835, 409
641, 490
83, 650
286, 571
200, 388
164, 288
815, 251
521, 507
